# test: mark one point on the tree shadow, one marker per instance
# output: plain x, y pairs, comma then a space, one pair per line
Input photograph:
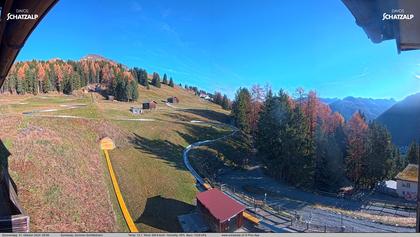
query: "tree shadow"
183, 117
162, 213
163, 149
197, 132
210, 114
169, 151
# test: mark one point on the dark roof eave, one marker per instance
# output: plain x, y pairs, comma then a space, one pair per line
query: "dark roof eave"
14, 33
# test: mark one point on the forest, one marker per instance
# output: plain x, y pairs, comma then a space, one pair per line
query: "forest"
36, 77
298, 138
302, 142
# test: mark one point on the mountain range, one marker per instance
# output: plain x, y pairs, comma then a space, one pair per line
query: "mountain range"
371, 108
403, 120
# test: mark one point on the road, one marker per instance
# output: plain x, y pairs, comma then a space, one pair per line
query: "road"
331, 221
290, 198
268, 221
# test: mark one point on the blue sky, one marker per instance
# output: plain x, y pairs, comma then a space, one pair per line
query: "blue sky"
223, 45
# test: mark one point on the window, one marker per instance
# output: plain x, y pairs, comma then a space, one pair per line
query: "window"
405, 184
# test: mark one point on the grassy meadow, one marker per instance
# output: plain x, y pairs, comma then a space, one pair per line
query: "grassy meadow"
60, 172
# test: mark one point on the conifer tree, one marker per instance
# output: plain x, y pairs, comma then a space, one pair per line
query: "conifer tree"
413, 153
165, 79
171, 83
156, 80
241, 109
225, 102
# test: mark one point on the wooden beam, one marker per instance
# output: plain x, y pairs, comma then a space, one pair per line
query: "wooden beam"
15, 32
418, 199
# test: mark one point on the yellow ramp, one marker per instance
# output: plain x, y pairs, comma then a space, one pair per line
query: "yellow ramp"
108, 144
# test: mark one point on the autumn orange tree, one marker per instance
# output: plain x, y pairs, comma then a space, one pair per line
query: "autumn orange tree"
356, 131
66, 76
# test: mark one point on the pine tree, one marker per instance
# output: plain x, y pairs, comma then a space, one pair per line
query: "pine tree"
282, 141
156, 80
75, 81
379, 158
171, 83
165, 79
68, 84
19, 87
120, 88
241, 109
135, 92
46, 85
329, 170
217, 99
142, 75
225, 102
413, 153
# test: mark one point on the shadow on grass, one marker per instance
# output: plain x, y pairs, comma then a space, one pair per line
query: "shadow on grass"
166, 150
210, 114
198, 132
171, 152
162, 213
183, 117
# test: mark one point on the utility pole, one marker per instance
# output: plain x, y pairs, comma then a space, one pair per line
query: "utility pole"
418, 199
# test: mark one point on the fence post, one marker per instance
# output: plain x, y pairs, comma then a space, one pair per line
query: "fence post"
325, 228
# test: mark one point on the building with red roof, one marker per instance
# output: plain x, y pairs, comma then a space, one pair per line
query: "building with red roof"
222, 213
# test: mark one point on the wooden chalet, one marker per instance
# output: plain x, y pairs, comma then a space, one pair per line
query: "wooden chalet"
221, 213
149, 104
173, 100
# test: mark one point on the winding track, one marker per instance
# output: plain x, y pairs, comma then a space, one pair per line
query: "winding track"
276, 223
269, 221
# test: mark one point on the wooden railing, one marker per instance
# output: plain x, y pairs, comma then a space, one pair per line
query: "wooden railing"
18, 221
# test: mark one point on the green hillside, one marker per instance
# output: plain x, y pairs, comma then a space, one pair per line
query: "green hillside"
61, 175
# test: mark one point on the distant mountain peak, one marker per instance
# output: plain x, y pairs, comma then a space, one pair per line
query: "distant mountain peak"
96, 57
55, 59
372, 108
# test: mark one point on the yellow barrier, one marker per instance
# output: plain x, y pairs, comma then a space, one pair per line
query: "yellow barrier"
251, 218
207, 186
127, 216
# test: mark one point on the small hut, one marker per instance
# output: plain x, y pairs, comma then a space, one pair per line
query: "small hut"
173, 100
149, 104
136, 110
220, 212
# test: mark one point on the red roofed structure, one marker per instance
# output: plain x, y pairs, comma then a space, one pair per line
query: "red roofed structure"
222, 213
